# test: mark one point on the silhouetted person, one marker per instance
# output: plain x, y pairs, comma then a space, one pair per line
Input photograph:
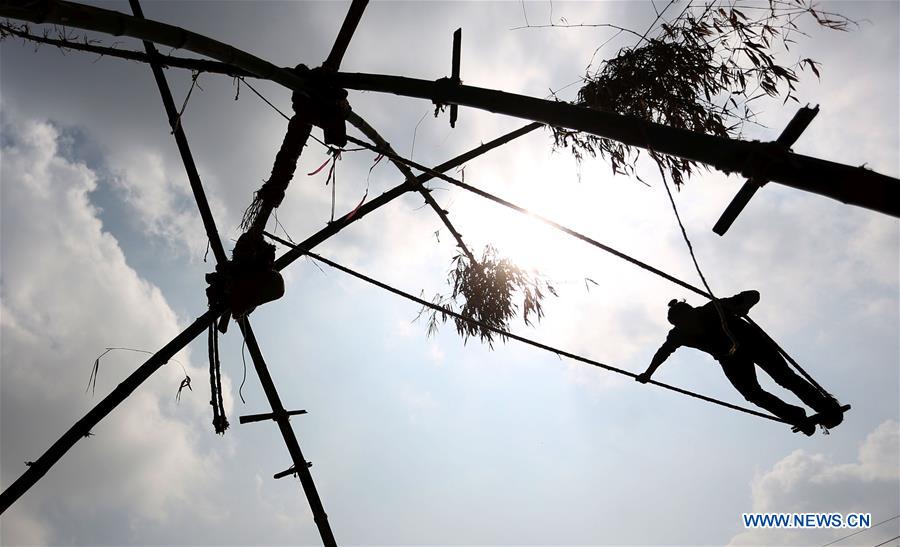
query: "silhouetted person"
701, 328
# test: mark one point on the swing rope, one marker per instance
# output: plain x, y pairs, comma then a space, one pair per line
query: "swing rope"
603, 247
723, 322
506, 334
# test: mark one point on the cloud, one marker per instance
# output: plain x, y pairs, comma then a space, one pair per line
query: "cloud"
803, 482
160, 199
67, 292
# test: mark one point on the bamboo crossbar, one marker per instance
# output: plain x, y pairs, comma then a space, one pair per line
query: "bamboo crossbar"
851, 185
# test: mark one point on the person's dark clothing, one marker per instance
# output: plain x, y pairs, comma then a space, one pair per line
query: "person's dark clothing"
703, 330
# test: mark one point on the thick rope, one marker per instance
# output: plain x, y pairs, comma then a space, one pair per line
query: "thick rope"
524, 340
219, 421
271, 194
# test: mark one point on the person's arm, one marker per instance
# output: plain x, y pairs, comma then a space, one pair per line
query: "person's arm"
663, 353
740, 303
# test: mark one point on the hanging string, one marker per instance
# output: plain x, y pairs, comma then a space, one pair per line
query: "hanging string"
195, 75
355, 210
332, 176
258, 94
95, 369
716, 304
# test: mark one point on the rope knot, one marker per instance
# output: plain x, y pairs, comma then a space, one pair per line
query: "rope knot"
326, 105
248, 280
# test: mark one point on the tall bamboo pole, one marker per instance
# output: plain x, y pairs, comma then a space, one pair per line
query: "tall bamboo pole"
852, 185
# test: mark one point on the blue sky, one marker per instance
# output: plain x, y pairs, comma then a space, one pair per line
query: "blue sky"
419, 440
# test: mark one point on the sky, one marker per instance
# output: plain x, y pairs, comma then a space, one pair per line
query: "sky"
417, 439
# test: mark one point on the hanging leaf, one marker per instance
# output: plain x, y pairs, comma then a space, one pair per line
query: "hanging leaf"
486, 293
698, 73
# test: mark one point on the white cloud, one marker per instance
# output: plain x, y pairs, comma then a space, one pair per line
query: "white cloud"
161, 199
803, 482
67, 292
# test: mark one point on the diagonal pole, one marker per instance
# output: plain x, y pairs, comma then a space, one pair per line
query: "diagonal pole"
175, 122
298, 132
290, 439
371, 133
351, 21
278, 411
282, 418
82, 427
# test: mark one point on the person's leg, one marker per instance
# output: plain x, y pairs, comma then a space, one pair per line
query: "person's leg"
741, 372
775, 366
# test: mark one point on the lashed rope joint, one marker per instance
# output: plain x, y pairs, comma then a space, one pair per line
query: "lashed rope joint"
248, 280
443, 88
759, 162
327, 107
239, 285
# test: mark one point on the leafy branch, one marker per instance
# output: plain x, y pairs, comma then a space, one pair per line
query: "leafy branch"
485, 292
700, 72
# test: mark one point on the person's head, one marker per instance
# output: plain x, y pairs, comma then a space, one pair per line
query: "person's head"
679, 311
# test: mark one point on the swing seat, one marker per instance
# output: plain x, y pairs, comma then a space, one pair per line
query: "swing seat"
828, 420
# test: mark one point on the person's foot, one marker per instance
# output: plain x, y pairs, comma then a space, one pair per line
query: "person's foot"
806, 426
832, 415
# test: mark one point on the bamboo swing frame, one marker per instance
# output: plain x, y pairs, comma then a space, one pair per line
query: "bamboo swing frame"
852, 185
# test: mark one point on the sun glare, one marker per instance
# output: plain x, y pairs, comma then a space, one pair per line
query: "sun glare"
528, 242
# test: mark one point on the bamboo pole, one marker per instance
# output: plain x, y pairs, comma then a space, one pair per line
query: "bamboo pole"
371, 133
287, 432
851, 185
71, 14
175, 122
297, 134
351, 21
83, 427
165, 61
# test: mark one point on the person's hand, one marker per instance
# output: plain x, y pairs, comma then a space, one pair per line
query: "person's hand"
643, 378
